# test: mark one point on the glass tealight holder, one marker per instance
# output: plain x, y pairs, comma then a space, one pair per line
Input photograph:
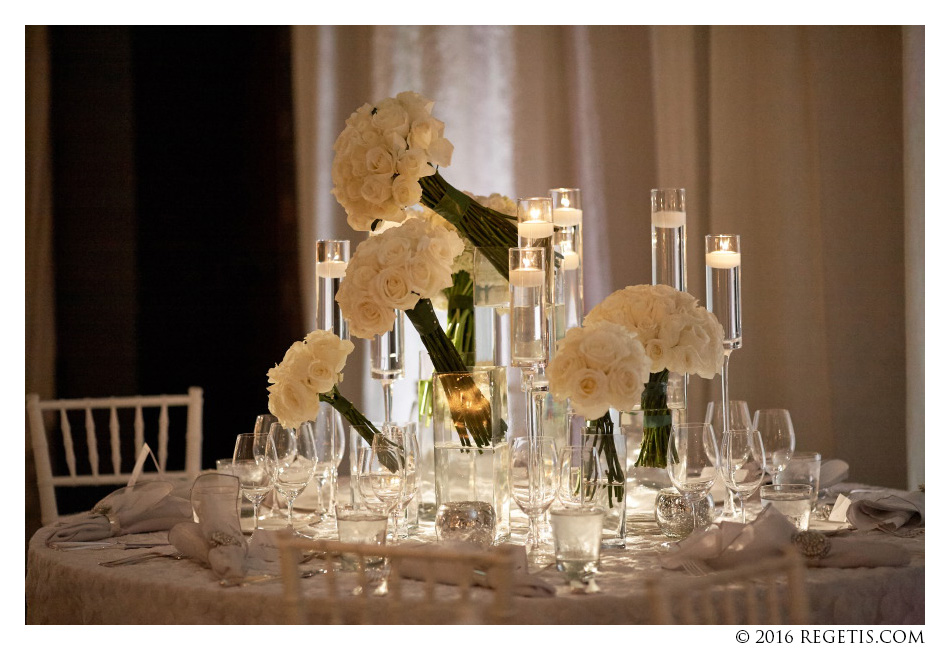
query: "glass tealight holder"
536, 230
332, 257
674, 514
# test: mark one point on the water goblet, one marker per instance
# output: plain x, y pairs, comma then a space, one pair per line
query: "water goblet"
738, 418
292, 458
742, 463
397, 450
249, 464
367, 465
691, 461
534, 482
580, 475
778, 437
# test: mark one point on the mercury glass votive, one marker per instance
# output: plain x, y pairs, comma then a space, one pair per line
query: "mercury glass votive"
674, 514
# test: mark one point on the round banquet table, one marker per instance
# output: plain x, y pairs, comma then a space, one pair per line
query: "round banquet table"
69, 587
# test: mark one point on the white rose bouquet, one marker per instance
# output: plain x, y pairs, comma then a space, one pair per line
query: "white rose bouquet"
404, 268
385, 162
678, 335
596, 367
308, 375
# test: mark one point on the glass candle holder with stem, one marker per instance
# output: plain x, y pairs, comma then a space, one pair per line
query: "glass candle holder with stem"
332, 257
742, 463
691, 461
724, 300
388, 361
534, 482
527, 281
249, 464
668, 243
568, 269
536, 230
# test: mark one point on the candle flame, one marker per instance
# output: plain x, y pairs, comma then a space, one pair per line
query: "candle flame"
535, 214
565, 202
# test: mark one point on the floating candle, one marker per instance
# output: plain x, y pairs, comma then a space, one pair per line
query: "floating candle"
535, 229
526, 277
567, 216
331, 269
723, 259
669, 219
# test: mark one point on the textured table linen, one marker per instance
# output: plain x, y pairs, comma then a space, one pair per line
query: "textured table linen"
68, 587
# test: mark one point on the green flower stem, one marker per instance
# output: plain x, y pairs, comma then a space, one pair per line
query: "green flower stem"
358, 421
461, 316
657, 421
482, 226
602, 430
472, 415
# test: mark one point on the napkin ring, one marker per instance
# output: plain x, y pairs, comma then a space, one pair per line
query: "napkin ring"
222, 539
106, 512
812, 544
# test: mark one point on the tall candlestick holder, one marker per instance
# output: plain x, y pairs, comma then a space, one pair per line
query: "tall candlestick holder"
527, 281
724, 300
569, 273
668, 225
388, 361
332, 257
536, 230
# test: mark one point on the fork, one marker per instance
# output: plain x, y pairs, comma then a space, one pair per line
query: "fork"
695, 568
144, 557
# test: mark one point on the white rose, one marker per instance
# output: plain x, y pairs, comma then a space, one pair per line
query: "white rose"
422, 133
369, 318
292, 402
393, 286
589, 393
377, 188
380, 160
440, 152
391, 117
599, 347
406, 191
414, 163
393, 250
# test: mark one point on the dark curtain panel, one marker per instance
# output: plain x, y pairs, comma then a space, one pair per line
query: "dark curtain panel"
174, 216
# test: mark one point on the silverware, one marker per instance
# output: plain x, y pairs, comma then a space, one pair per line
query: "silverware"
256, 580
96, 546
144, 557
695, 568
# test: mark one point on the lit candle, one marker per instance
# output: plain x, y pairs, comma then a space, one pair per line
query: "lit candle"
723, 259
571, 261
526, 277
535, 229
331, 269
567, 216
669, 219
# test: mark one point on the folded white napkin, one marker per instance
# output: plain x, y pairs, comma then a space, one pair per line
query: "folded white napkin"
141, 508
216, 540
887, 510
529, 586
729, 544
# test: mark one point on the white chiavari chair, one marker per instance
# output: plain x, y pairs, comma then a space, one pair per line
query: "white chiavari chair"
52, 417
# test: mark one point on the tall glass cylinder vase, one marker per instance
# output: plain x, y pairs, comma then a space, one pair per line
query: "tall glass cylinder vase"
490, 297
332, 257
569, 274
426, 462
668, 225
536, 230
472, 488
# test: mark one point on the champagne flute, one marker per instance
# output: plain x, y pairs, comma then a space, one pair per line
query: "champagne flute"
742, 463
292, 459
534, 481
249, 465
691, 462
581, 475
328, 442
778, 437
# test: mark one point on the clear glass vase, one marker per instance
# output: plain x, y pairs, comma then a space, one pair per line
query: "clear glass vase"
472, 489
611, 447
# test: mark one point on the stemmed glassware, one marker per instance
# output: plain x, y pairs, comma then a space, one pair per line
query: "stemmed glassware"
691, 461
292, 459
742, 463
738, 418
778, 437
581, 475
250, 466
724, 300
534, 481
388, 472
328, 442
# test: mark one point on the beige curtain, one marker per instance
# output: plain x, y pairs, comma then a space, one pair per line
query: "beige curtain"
41, 343
794, 137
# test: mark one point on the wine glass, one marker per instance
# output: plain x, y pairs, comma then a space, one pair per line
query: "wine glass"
778, 437
581, 475
534, 481
292, 458
738, 418
742, 463
691, 461
396, 483
367, 465
328, 441
249, 465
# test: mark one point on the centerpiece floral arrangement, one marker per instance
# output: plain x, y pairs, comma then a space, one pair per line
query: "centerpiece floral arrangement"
404, 268
597, 367
386, 161
677, 335
309, 374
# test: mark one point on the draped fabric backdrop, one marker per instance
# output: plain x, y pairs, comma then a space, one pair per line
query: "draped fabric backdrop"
807, 141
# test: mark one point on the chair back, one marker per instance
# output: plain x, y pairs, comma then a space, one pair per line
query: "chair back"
425, 584
84, 414
770, 592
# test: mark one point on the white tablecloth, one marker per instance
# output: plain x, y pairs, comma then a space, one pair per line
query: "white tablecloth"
69, 587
